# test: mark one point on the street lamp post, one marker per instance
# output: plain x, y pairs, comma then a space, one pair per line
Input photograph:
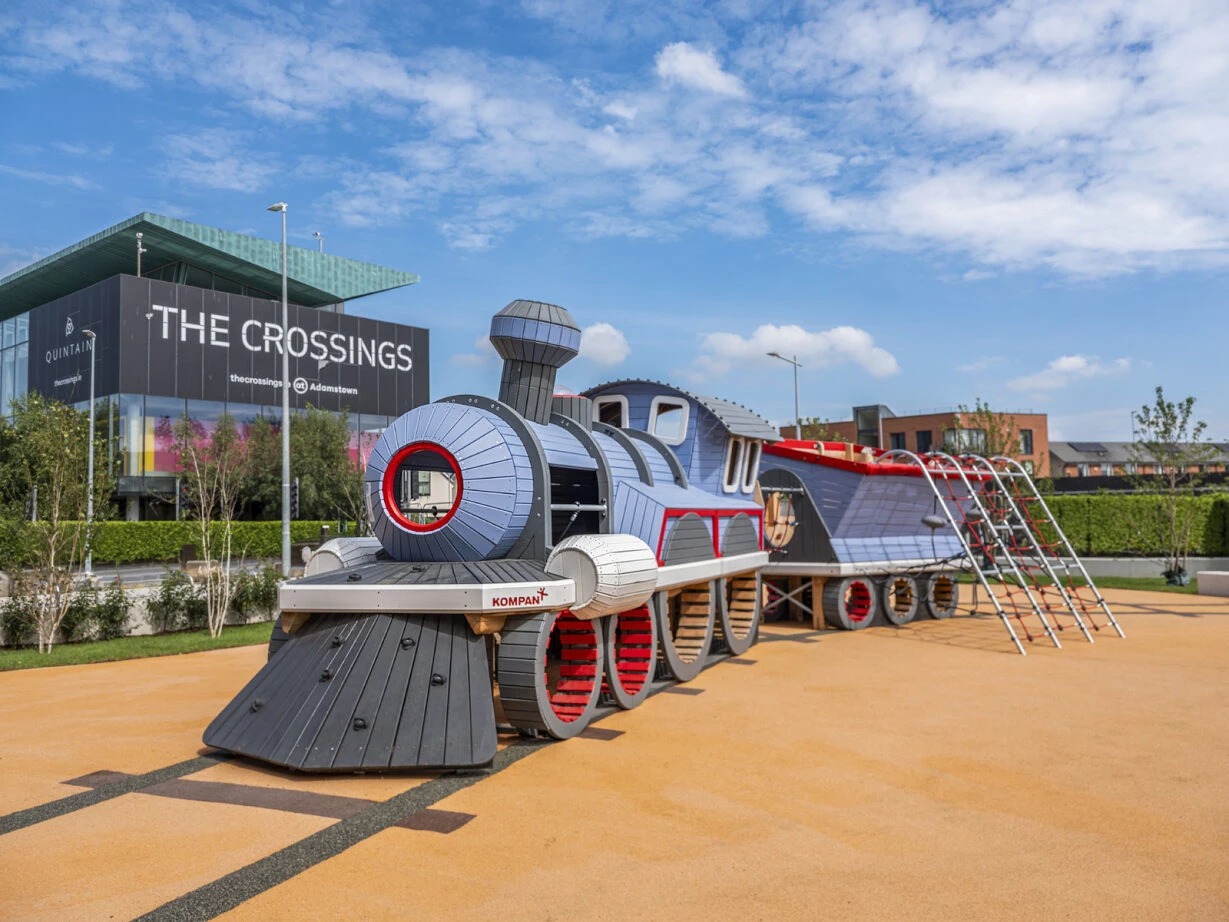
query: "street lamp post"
281, 206
797, 413
320, 238
89, 498
140, 250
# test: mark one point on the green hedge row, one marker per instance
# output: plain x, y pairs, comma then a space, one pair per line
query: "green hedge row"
1126, 524
132, 542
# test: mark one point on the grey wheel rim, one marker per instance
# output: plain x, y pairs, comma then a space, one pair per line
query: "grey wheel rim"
685, 629
900, 600
850, 603
553, 688
942, 596
630, 652
738, 611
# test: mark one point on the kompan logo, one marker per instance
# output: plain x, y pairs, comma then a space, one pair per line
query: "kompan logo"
516, 601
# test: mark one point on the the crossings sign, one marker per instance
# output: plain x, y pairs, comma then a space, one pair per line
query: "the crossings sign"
161, 339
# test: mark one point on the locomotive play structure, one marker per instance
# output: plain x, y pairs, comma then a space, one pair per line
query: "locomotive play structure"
540, 557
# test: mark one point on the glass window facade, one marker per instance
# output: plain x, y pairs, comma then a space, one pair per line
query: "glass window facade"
14, 360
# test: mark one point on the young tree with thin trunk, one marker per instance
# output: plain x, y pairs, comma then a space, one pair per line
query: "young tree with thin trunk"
995, 434
45, 455
212, 466
1171, 441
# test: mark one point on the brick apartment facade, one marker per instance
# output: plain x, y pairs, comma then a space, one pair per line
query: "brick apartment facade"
878, 427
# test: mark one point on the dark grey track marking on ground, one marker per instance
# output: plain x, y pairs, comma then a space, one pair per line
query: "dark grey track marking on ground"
225, 893
43, 812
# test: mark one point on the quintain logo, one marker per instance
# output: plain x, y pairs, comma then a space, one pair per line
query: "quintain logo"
68, 327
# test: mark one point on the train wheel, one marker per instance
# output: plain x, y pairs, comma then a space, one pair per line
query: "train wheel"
685, 629
850, 603
900, 599
549, 672
739, 612
942, 595
630, 644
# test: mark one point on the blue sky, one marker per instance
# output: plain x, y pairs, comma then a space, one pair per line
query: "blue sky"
1026, 202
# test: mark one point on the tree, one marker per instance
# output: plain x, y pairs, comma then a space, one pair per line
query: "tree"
814, 429
1171, 441
212, 465
330, 475
261, 486
982, 431
44, 461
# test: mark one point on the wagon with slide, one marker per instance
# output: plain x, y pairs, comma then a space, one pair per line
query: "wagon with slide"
855, 538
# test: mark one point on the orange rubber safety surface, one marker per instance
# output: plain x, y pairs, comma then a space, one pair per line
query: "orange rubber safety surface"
925, 772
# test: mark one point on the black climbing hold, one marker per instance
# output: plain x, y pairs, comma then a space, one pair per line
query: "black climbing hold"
354, 577
360, 723
437, 679
326, 675
257, 705
338, 640
407, 642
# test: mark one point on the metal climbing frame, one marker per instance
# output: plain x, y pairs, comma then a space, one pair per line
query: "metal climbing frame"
1024, 545
947, 470
1062, 560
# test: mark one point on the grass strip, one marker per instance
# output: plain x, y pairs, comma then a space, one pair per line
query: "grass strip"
1139, 583
105, 651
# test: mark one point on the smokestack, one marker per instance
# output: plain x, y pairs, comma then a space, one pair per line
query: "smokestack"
535, 340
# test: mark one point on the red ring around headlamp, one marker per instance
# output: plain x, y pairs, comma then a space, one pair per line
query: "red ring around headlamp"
389, 486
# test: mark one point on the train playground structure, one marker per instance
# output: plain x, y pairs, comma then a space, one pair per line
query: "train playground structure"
538, 557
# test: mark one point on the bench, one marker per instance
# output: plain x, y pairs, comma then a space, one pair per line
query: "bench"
1213, 582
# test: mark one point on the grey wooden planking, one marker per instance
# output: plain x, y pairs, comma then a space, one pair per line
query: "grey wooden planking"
689, 540
400, 573
741, 536
562, 448
622, 466
366, 692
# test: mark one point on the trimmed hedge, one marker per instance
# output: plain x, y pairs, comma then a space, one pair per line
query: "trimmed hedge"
1124, 524
1098, 525
135, 542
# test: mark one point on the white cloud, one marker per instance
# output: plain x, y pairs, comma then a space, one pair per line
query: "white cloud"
721, 352
620, 110
1089, 138
50, 179
14, 258
697, 70
1065, 370
484, 353
217, 159
983, 364
603, 344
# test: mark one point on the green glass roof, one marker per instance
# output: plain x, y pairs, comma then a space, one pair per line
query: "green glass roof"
313, 278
